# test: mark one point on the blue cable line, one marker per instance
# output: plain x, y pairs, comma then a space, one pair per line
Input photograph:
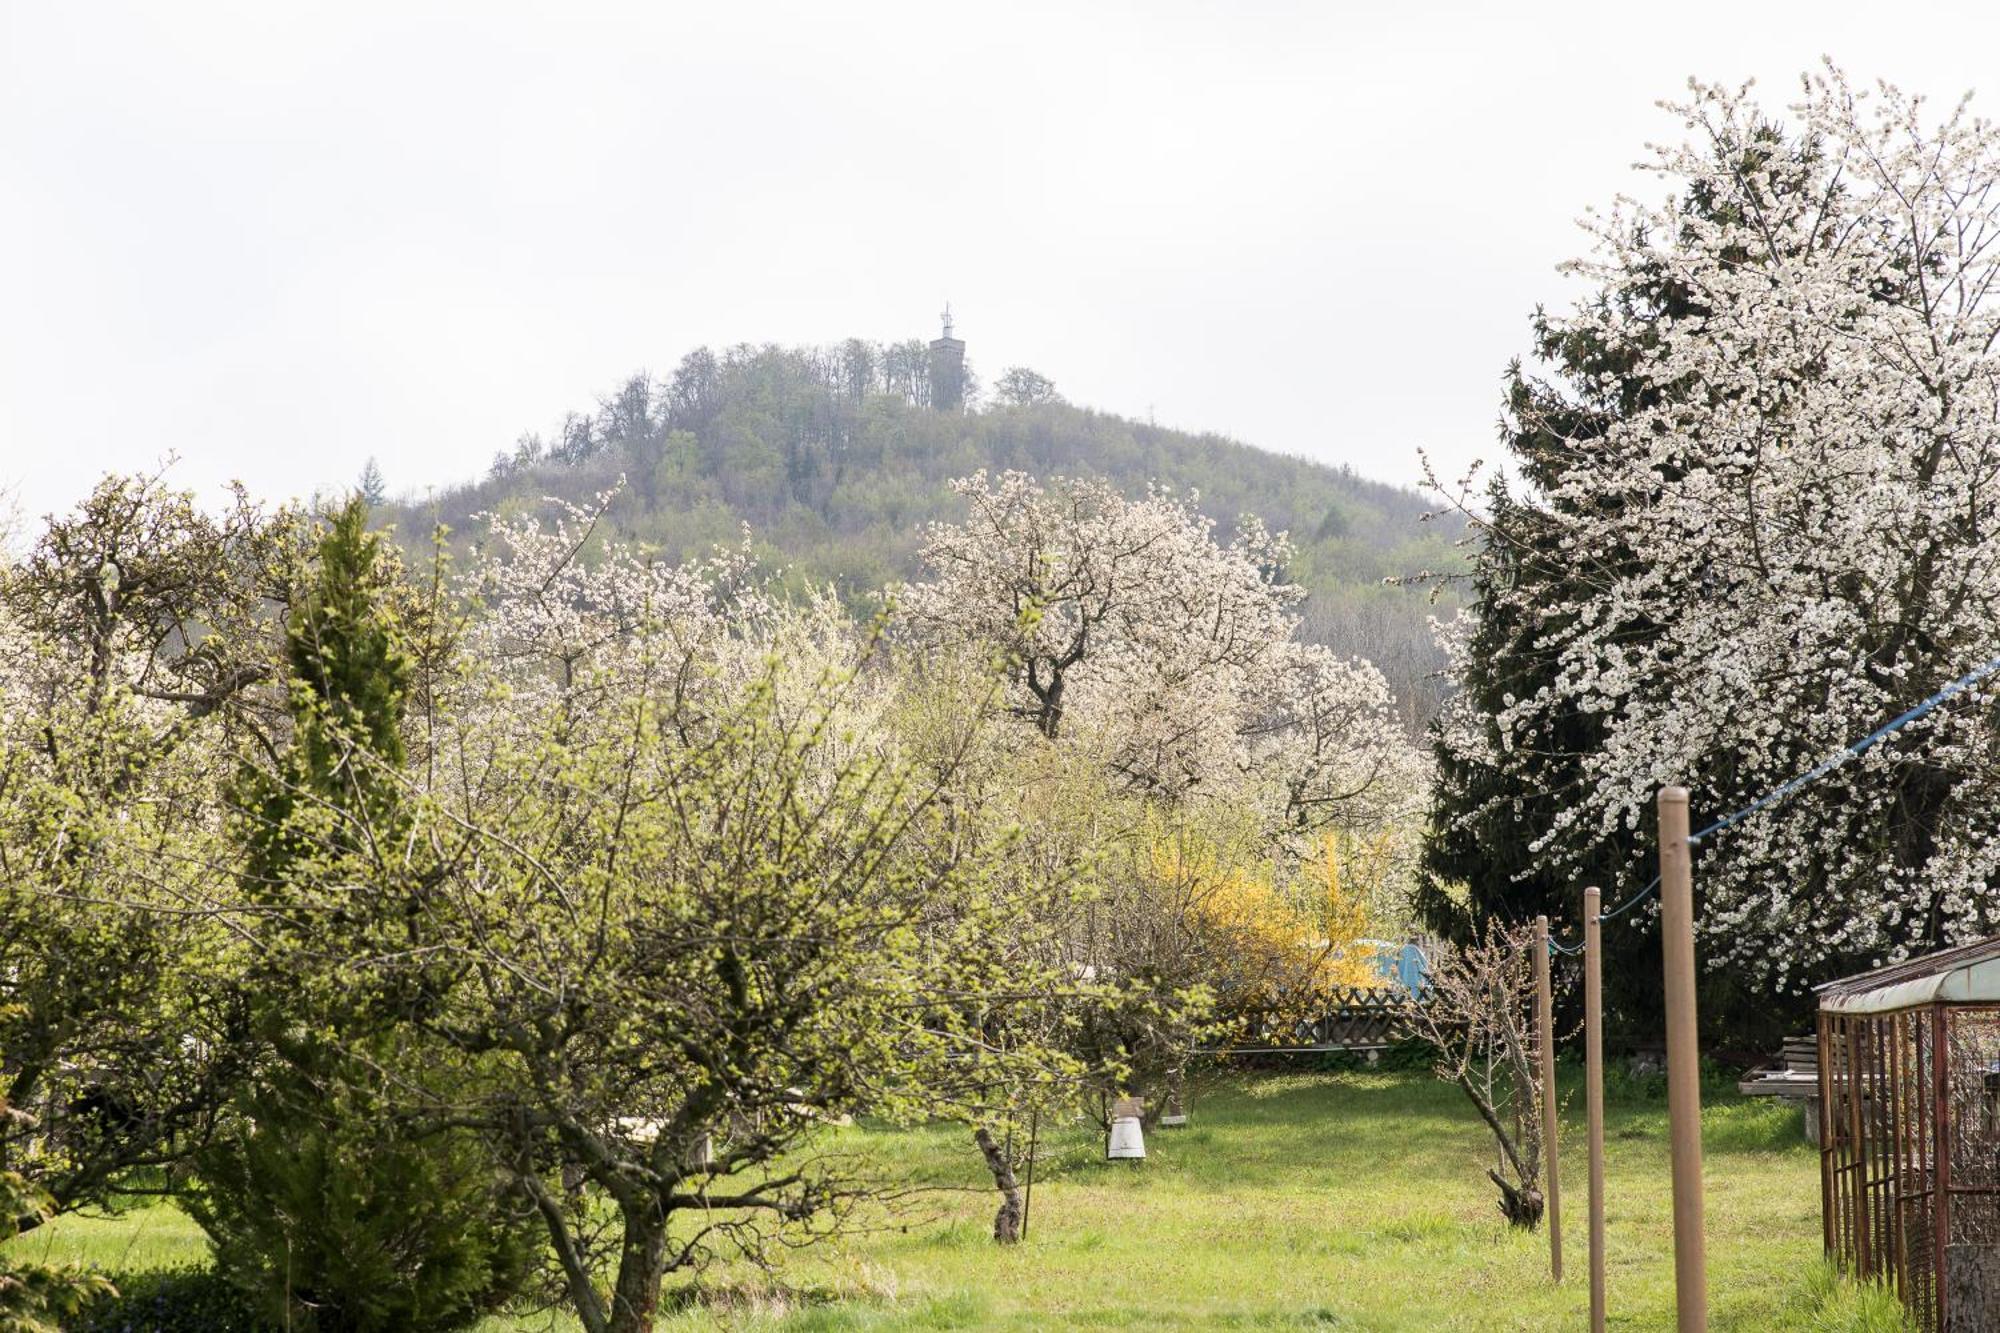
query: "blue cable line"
1630, 903
1804, 780
1873, 738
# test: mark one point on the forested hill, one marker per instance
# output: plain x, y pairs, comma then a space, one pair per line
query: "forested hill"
835, 460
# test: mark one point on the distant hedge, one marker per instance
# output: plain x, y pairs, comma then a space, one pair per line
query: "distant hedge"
173, 1300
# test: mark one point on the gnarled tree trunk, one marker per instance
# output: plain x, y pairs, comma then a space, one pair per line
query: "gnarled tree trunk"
1007, 1222
1521, 1206
635, 1296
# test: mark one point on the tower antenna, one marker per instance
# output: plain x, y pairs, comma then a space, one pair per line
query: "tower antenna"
947, 369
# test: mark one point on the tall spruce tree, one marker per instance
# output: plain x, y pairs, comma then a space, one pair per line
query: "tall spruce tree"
372, 487
333, 1204
1495, 799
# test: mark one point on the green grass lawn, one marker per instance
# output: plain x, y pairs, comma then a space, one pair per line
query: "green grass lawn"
1343, 1201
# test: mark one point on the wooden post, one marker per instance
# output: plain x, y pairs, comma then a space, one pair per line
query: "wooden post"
1545, 1038
1593, 1093
1683, 1061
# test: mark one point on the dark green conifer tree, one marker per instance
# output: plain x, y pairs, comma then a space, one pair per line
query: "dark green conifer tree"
332, 1201
1480, 862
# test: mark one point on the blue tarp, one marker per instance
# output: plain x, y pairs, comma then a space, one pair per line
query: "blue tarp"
1400, 965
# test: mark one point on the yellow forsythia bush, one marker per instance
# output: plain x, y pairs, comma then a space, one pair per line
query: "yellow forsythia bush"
1270, 938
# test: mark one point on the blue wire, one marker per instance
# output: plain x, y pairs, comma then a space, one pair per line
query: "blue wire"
1770, 798
1630, 903
1873, 738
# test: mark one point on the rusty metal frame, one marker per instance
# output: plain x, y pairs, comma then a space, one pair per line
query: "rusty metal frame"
1908, 1097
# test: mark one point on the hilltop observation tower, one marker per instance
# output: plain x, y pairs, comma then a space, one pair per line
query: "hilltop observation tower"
947, 369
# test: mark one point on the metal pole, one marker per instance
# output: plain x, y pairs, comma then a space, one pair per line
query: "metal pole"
1593, 1093
1828, 1207
1683, 1060
1944, 1144
1545, 1036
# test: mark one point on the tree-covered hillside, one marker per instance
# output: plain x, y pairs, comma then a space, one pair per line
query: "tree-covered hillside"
834, 459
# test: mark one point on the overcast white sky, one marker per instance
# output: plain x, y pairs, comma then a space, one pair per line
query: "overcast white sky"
275, 239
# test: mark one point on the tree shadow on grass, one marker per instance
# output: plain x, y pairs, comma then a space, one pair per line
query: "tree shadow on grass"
1287, 1097
735, 1301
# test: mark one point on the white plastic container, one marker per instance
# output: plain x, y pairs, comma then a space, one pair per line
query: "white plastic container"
1127, 1143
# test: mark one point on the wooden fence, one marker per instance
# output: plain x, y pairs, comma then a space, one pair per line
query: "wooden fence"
1350, 1018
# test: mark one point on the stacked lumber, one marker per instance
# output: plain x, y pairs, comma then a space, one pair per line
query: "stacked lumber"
1795, 1076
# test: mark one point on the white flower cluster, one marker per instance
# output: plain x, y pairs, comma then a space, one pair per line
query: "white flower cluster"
1129, 631
570, 618
1791, 532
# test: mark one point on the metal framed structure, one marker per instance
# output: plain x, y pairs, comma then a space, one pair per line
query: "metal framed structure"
1909, 1107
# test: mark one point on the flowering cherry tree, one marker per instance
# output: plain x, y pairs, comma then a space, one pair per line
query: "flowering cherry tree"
1129, 631
685, 899
1761, 523
567, 617
1168, 704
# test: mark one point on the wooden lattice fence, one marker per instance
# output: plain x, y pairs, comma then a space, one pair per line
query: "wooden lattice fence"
1347, 1018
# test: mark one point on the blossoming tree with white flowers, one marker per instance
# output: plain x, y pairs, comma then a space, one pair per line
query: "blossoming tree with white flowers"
685, 898
1175, 738
1761, 522
1131, 633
